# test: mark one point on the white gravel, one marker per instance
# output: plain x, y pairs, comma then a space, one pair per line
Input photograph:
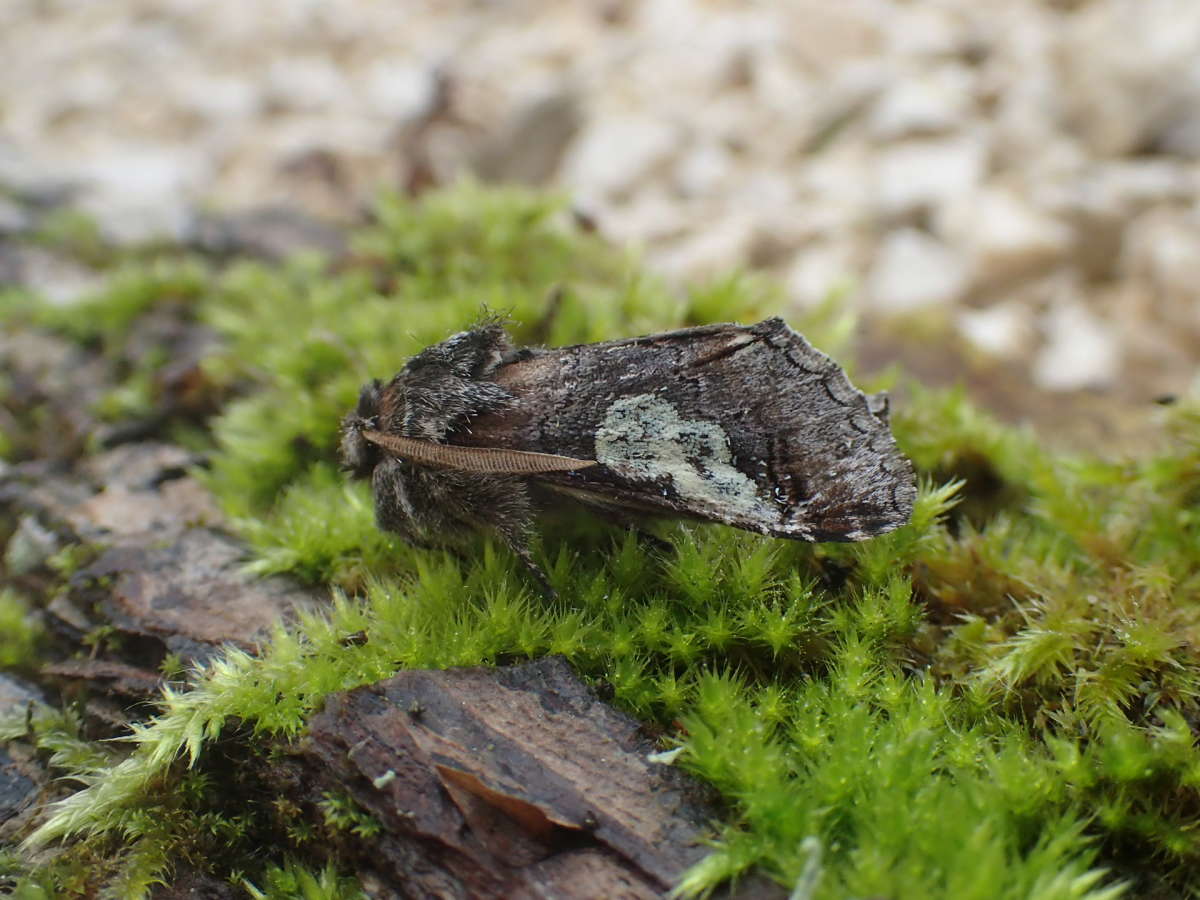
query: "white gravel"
956, 153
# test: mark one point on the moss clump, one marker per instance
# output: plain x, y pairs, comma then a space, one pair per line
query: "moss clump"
994, 701
20, 634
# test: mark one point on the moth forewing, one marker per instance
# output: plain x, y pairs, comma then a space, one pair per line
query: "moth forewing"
745, 425
749, 426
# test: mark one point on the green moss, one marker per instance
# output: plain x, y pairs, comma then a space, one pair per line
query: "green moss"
19, 633
294, 880
341, 813
76, 234
992, 701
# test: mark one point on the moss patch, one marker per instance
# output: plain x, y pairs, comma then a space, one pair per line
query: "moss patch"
995, 701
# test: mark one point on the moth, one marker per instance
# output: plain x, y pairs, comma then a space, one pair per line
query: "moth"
749, 426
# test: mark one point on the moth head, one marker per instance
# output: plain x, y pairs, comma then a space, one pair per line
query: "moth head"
358, 455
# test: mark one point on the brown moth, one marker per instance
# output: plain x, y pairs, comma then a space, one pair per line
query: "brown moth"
744, 425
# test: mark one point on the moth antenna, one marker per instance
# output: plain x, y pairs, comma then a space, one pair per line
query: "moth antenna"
481, 460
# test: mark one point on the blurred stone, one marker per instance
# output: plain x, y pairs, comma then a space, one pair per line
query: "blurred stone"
1131, 73
1004, 236
30, 179
712, 252
650, 217
306, 82
1099, 203
16, 693
529, 149
1162, 249
1002, 330
922, 105
1080, 351
139, 194
850, 93
399, 90
29, 547
919, 176
922, 30
802, 136
13, 217
20, 782
818, 271
914, 270
56, 278
613, 153
704, 170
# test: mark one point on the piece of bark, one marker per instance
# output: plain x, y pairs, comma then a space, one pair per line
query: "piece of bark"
138, 489
52, 387
192, 595
166, 573
113, 677
22, 776
512, 782
17, 694
19, 789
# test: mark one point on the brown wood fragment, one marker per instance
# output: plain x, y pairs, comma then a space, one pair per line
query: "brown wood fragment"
191, 595
511, 782
23, 777
165, 573
107, 675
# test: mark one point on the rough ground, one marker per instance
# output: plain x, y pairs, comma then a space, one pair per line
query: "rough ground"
1029, 172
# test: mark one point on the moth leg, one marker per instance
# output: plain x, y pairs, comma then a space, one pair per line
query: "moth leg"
502, 505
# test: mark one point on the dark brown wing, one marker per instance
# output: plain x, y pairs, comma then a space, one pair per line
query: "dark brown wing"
746, 425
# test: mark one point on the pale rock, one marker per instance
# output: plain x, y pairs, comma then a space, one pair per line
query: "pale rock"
923, 104
401, 91
59, 280
698, 44
1002, 330
709, 252
139, 193
836, 189
914, 270
704, 170
1131, 76
647, 218
306, 83
922, 30
847, 96
919, 176
222, 98
1100, 202
13, 219
819, 272
31, 544
775, 237
825, 34
614, 153
1080, 350
1003, 236
1162, 248
530, 146
35, 179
